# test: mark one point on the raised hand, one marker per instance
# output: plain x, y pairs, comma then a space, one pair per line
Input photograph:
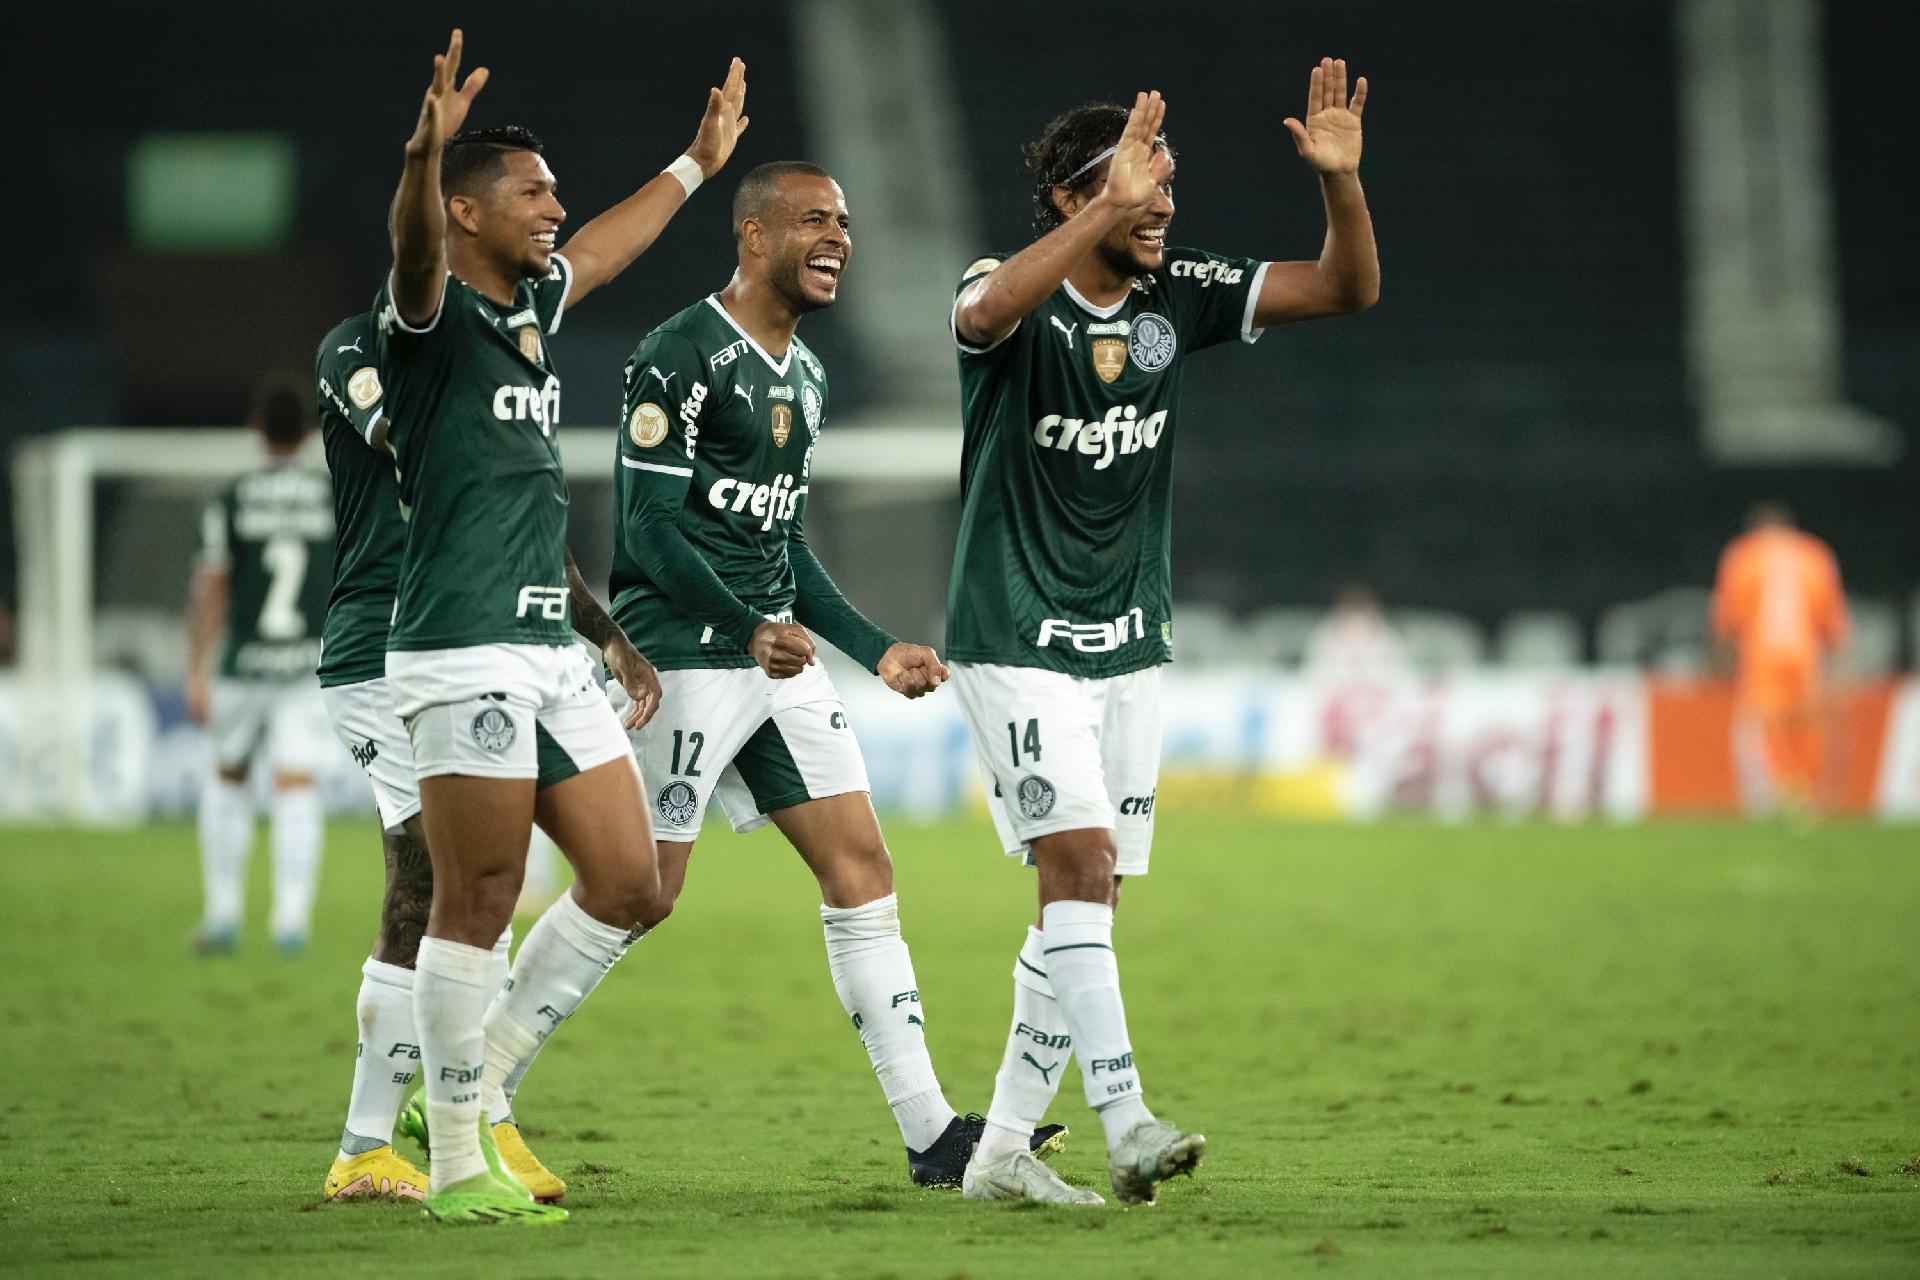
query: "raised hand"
722, 125
1138, 166
911, 670
445, 108
1330, 138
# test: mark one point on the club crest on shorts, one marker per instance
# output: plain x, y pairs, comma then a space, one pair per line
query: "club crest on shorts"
648, 425
494, 730
1109, 357
529, 336
1035, 795
1151, 342
677, 802
782, 418
810, 408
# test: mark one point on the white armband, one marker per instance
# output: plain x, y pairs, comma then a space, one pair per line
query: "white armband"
687, 169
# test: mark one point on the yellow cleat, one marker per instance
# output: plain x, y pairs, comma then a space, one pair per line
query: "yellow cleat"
379, 1173
520, 1161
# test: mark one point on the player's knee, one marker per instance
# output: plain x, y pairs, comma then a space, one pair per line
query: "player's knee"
1078, 864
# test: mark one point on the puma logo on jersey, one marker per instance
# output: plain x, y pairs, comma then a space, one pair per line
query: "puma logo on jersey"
353, 346
1121, 432
746, 395
664, 378
1066, 329
776, 501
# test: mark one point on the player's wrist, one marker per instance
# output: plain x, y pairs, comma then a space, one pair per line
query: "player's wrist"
691, 171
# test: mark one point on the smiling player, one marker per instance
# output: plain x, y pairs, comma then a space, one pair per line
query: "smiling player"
1059, 609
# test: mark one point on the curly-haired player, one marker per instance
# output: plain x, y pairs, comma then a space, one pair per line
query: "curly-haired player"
1059, 608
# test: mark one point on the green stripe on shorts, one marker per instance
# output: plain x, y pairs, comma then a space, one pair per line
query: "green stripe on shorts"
768, 768
551, 759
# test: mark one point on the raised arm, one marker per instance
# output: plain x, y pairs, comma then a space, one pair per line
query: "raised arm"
990, 307
608, 245
1346, 276
417, 224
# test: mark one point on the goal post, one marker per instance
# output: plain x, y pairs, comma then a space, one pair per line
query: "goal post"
55, 481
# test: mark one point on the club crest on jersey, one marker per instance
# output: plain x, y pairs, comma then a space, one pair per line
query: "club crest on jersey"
494, 730
677, 802
648, 425
363, 388
1151, 343
782, 416
529, 336
1109, 357
810, 409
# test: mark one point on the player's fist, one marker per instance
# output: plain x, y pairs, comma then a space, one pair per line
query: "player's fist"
637, 676
782, 649
724, 122
911, 670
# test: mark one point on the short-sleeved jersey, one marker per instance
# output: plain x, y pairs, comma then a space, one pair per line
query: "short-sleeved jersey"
1066, 472
272, 530
366, 504
710, 413
1778, 599
473, 402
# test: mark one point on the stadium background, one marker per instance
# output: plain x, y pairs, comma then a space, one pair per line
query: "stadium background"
1516, 450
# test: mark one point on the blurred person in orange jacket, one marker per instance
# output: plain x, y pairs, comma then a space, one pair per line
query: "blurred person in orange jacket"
1777, 604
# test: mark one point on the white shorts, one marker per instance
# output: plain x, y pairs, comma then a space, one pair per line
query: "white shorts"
503, 711
279, 723
364, 721
1062, 753
756, 743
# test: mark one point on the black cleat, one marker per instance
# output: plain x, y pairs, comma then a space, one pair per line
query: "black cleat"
943, 1163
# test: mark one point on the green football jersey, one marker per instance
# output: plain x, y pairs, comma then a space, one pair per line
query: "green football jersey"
272, 530
723, 434
473, 402
1066, 471
366, 505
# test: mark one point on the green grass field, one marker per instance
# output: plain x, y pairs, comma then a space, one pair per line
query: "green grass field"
1489, 1050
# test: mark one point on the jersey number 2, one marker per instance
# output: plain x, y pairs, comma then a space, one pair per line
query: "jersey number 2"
280, 616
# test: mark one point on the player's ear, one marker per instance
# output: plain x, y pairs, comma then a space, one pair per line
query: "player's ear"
463, 212
1067, 200
753, 236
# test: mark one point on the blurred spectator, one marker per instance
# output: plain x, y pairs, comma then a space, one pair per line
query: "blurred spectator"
1354, 643
1778, 607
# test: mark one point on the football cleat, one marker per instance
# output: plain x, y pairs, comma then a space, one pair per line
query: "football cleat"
1147, 1155
213, 940
484, 1200
1021, 1176
524, 1167
290, 942
943, 1163
509, 1150
379, 1173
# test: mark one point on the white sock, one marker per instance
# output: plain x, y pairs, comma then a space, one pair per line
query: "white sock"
226, 836
873, 975
1038, 1047
565, 955
511, 1085
450, 995
1086, 980
502, 961
383, 1070
296, 859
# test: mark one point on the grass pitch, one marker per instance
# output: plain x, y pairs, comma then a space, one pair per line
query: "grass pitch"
1531, 1051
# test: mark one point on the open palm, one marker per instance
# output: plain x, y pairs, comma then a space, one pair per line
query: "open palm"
1330, 138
